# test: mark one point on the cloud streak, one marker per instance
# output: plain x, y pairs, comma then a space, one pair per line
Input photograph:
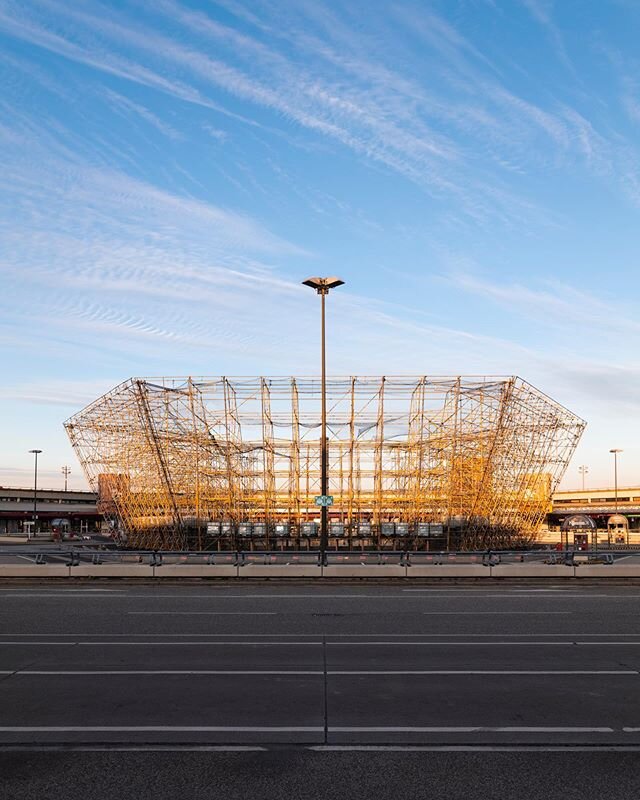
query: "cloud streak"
326, 82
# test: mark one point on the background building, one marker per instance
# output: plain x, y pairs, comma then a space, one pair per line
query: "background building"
57, 511
616, 518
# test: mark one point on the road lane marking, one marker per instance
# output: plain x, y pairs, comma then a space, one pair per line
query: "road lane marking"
207, 613
159, 644
487, 672
465, 594
218, 643
102, 672
131, 748
303, 613
159, 729
488, 613
462, 748
305, 729
348, 672
570, 643
321, 748
469, 729
410, 637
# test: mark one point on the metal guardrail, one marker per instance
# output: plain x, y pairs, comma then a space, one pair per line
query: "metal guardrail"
240, 558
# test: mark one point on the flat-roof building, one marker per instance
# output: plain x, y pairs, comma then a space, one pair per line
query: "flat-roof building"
616, 516
71, 511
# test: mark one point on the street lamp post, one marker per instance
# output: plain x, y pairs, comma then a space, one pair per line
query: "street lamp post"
583, 469
322, 287
35, 490
615, 452
66, 472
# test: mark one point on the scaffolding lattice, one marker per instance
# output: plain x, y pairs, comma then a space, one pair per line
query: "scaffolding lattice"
481, 455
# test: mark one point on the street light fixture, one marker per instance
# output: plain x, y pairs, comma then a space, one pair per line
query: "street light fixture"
322, 287
66, 472
35, 491
583, 469
615, 452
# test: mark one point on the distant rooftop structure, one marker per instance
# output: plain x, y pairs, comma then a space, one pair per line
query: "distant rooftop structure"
597, 501
79, 508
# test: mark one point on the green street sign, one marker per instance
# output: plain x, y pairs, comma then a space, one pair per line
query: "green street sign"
324, 500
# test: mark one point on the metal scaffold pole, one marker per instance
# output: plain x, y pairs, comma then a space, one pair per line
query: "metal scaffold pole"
476, 457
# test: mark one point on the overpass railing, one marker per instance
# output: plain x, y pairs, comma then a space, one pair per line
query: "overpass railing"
87, 562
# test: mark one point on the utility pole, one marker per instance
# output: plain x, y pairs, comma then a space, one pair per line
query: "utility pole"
583, 469
66, 472
615, 452
35, 490
322, 287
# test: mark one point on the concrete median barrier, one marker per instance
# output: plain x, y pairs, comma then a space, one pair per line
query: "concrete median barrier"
608, 571
279, 571
364, 571
112, 571
448, 571
542, 571
196, 571
34, 571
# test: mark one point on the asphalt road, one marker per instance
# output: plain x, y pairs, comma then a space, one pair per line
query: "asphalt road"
328, 691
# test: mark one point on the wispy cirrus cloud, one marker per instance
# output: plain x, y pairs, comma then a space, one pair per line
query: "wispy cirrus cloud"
169, 171
334, 81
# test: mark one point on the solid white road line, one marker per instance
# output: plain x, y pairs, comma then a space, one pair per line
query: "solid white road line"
116, 672
468, 729
474, 748
216, 594
569, 643
306, 729
489, 613
323, 748
207, 613
218, 643
572, 636
417, 593
174, 643
303, 613
158, 729
132, 748
349, 672
452, 672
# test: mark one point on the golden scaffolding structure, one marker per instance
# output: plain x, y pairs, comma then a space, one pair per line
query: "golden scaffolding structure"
170, 456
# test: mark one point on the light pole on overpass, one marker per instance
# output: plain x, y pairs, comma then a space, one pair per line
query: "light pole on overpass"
583, 469
322, 287
615, 452
35, 490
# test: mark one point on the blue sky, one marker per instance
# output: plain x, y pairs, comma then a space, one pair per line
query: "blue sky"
170, 172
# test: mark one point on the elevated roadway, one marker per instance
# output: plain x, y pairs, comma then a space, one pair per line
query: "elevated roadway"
319, 691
